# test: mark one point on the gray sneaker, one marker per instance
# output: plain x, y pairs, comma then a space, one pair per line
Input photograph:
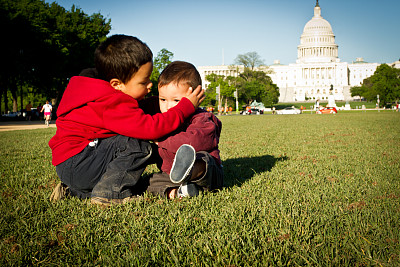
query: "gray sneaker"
188, 190
183, 164
60, 192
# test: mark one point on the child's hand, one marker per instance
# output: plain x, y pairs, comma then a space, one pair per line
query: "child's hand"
196, 97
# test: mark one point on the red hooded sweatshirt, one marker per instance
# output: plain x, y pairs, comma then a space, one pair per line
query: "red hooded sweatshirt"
202, 131
91, 108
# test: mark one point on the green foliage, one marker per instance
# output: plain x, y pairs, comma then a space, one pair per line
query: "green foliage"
257, 85
385, 82
301, 190
357, 91
163, 58
46, 44
251, 85
227, 89
29, 95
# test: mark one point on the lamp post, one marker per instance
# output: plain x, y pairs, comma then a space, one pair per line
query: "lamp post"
218, 91
235, 94
236, 91
377, 102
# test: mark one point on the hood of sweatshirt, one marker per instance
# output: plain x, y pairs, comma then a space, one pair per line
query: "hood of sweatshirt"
82, 90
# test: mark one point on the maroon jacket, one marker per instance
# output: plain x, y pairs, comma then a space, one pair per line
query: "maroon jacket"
202, 131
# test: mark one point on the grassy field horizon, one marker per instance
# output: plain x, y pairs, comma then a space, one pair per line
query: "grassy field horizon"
320, 190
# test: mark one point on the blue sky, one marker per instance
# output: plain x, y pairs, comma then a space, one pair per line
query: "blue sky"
212, 32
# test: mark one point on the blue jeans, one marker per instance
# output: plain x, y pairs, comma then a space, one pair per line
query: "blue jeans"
109, 169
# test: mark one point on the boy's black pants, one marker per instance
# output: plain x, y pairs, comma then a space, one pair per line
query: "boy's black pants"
108, 169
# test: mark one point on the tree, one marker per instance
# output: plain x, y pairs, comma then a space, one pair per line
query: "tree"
249, 60
385, 82
46, 45
251, 85
257, 85
357, 91
226, 85
163, 58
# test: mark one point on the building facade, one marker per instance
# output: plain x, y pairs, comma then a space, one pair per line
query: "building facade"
317, 68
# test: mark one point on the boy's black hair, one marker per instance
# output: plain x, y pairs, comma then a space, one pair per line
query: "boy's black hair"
180, 72
121, 56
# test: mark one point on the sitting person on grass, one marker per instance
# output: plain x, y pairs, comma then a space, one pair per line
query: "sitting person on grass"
190, 155
99, 149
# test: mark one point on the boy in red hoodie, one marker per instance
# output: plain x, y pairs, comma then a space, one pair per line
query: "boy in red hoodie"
99, 149
190, 154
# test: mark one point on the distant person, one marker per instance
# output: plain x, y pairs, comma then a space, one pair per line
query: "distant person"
190, 155
47, 108
99, 149
28, 109
317, 105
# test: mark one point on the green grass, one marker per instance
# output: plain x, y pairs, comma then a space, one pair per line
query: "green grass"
300, 190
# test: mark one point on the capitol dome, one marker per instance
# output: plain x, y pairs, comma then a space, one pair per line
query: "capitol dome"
317, 43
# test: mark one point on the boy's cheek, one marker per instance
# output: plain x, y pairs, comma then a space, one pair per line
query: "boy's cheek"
162, 108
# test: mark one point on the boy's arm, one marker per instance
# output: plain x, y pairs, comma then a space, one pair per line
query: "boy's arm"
126, 118
202, 133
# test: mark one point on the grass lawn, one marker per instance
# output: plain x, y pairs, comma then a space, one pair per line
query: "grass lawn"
300, 190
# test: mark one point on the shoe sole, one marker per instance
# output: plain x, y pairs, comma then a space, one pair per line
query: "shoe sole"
183, 164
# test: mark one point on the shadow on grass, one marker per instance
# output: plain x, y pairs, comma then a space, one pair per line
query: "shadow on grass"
238, 170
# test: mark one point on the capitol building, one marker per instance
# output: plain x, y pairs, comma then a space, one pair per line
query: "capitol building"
317, 68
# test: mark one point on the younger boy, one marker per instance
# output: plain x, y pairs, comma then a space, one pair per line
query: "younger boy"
97, 149
190, 155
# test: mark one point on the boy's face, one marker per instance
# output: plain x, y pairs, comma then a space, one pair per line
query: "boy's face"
139, 85
171, 94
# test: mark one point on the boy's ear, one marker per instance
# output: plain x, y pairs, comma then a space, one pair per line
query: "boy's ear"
116, 84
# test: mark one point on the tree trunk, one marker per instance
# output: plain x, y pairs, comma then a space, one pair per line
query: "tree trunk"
22, 99
1, 98
5, 101
14, 96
